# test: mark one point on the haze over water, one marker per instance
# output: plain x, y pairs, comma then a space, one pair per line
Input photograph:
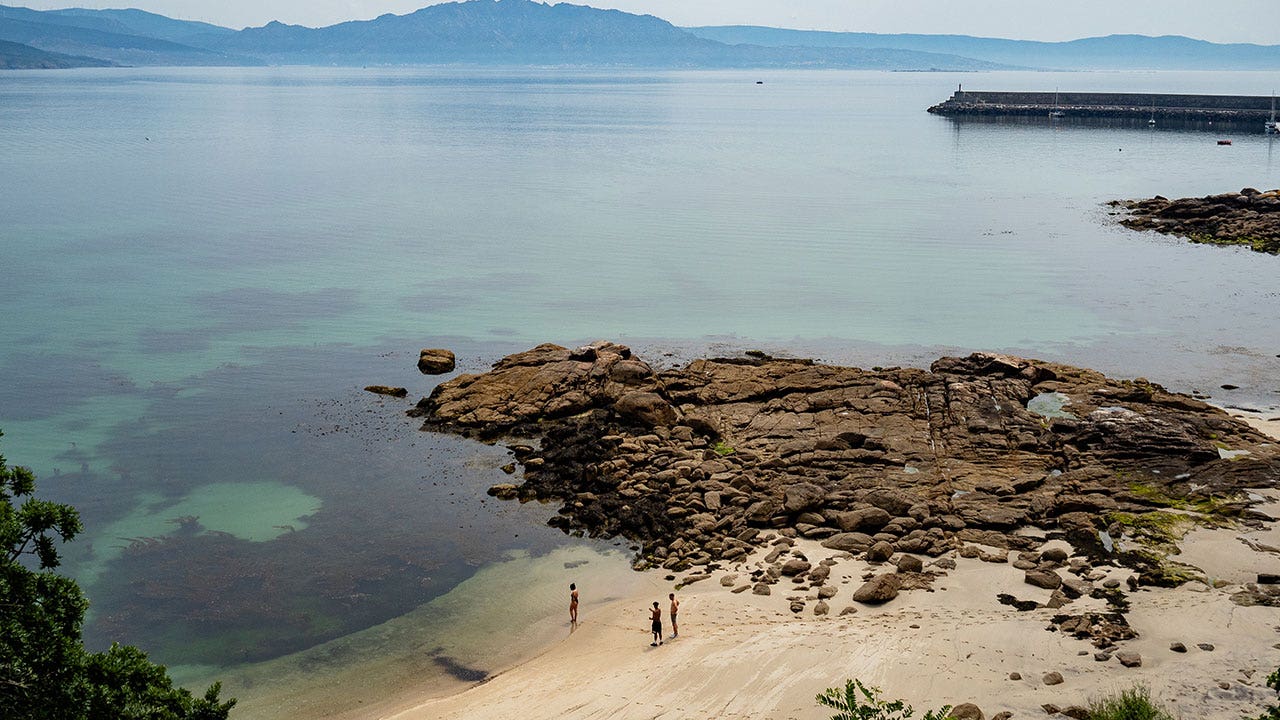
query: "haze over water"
204, 266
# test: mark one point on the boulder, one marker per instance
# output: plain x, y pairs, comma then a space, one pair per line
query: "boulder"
879, 552
879, 589
800, 497
1052, 678
867, 519
1047, 579
910, 564
505, 491
1054, 555
647, 408
848, 542
1129, 659
795, 566
435, 361
387, 390
761, 589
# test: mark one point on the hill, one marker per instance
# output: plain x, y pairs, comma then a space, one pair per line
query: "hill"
105, 36
1113, 52
16, 56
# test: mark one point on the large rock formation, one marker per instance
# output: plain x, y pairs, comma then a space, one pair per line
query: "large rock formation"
693, 462
1248, 217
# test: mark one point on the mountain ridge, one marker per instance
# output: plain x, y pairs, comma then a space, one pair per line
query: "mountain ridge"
1126, 51
524, 32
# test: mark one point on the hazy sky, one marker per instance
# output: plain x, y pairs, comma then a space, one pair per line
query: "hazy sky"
1256, 21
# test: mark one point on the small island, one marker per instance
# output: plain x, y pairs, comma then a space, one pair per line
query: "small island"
1250, 217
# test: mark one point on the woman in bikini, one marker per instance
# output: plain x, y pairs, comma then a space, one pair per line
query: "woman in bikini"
656, 617
573, 603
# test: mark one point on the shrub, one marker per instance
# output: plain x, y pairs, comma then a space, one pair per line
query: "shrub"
1272, 712
1132, 704
858, 702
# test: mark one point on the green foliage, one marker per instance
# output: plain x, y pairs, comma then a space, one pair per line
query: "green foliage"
858, 702
1132, 704
45, 671
1272, 712
722, 449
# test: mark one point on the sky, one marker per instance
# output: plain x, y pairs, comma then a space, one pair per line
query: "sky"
1256, 21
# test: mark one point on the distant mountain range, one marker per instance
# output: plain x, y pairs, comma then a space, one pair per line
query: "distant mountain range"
521, 32
1113, 52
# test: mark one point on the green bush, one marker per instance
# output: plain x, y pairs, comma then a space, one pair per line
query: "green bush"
1272, 712
858, 702
1132, 704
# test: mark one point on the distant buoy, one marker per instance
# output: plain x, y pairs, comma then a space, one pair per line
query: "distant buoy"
759, 82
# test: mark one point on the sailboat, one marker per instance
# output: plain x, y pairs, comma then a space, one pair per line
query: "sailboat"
1055, 112
1152, 121
1272, 127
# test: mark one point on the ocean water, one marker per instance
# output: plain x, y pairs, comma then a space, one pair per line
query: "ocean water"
202, 267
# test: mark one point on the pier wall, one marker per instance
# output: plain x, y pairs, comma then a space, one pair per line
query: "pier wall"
1191, 108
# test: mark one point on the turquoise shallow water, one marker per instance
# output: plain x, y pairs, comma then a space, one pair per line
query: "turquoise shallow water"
203, 266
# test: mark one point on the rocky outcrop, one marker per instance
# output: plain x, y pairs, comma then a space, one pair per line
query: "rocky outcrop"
695, 463
1249, 217
387, 390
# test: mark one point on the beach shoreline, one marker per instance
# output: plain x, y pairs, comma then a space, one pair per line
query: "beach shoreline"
742, 655
749, 656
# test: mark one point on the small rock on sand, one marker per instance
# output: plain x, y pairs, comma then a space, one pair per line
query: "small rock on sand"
1129, 658
966, 711
879, 589
1177, 647
1052, 678
761, 589
1046, 579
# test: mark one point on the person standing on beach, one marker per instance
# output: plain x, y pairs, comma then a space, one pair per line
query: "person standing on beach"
573, 604
675, 608
656, 616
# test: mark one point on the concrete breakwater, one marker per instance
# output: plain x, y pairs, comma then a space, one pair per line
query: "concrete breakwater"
1239, 109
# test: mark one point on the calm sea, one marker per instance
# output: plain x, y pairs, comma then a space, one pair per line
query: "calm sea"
202, 267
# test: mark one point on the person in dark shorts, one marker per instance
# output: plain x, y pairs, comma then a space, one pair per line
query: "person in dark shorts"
573, 603
656, 617
675, 608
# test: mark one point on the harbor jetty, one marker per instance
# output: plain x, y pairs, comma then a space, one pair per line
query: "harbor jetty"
1251, 111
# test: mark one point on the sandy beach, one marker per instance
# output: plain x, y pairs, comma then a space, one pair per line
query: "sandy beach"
741, 655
